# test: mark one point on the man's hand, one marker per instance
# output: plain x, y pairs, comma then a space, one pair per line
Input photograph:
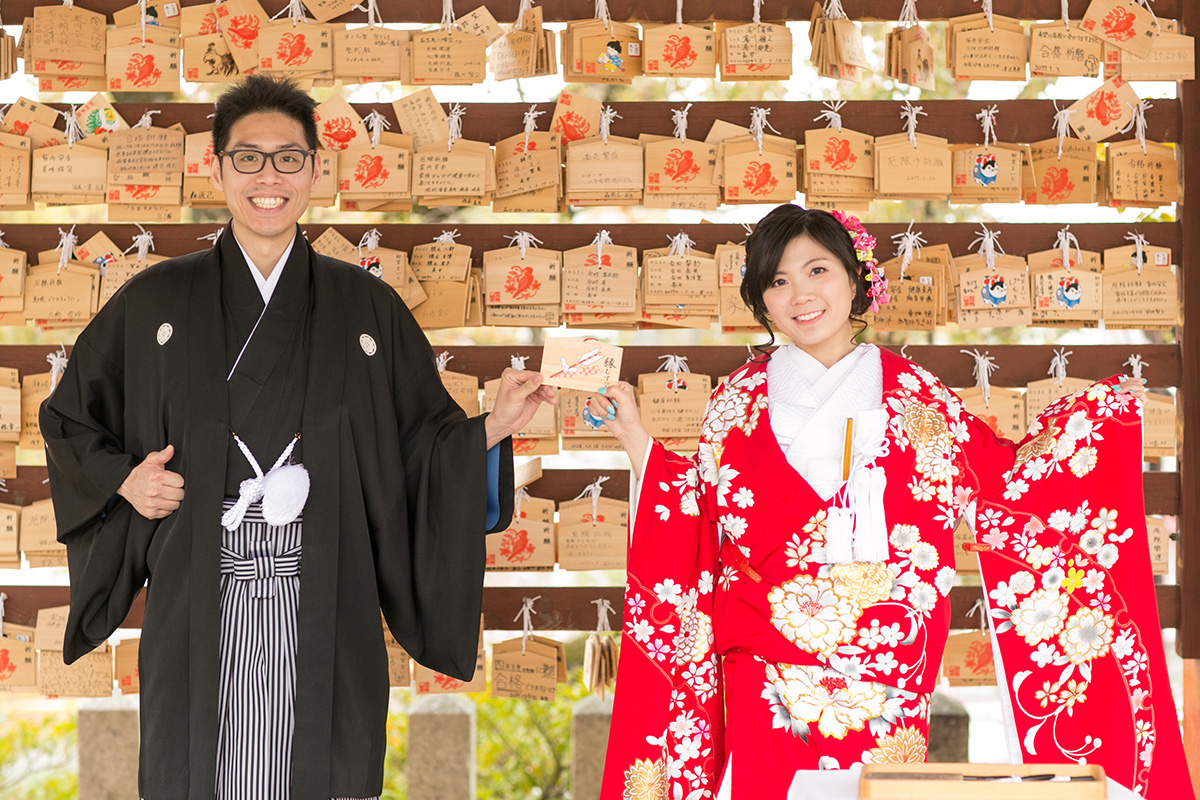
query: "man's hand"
151, 488
519, 395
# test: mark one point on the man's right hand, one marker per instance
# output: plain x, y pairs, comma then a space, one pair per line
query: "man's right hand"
152, 489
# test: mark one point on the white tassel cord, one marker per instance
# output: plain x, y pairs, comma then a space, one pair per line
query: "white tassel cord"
985, 365
526, 616
676, 364
988, 245
908, 14
369, 240
1135, 364
680, 118
832, 113
987, 120
3, 244
58, 365
908, 247
987, 13
66, 246
454, 120
909, 113
376, 123
593, 491
1063, 243
759, 125
1058, 365
1062, 125
1139, 254
519, 498
601, 13
524, 8
447, 237
757, 12
283, 489
681, 244
606, 119
1066, 16
142, 242
679, 13
602, 238
833, 10
448, 18
523, 241
530, 118
72, 130
211, 237
603, 609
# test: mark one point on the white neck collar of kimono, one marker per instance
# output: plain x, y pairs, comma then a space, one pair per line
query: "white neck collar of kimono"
266, 286
814, 371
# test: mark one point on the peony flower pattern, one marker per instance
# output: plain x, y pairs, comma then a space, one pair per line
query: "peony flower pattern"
826, 697
812, 614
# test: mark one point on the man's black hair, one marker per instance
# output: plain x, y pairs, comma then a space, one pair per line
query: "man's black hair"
258, 94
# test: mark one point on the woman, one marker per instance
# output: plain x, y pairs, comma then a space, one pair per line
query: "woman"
786, 606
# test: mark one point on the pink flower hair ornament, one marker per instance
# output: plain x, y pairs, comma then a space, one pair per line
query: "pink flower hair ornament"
864, 249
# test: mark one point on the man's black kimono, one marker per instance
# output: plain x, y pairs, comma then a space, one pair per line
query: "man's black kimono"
394, 520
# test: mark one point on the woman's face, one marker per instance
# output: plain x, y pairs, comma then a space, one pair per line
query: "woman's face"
810, 297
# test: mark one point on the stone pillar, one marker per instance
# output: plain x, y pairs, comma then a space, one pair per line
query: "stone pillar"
108, 749
441, 748
591, 718
949, 729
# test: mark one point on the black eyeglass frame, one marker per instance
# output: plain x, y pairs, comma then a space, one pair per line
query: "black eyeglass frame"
267, 157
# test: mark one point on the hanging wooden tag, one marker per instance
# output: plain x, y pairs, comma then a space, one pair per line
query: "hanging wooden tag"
18, 665
428, 681
1104, 112
126, 666
903, 170
526, 671
1058, 51
10, 407
339, 126
910, 56
462, 169
513, 56
840, 153
1068, 297
160, 14
604, 282
584, 546
90, 676
1040, 394
758, 48
1004, 412
990, 298
295, 50
370, 55
441, 261
369, 171
914, 303
586, 364
445, 306
143, 68
1147, 299
575, 117
98, 115
441, 57
678, 51
1149, 179
596, 166
198, 20
982, 49
968, 659
676, 279
1160, 545
67, 33
240, 22
527, 546
670, 414
1171, 58
1070, 179
15, 167
147, 156
1122, 23
987, 174
39, 535
1159, 426
510, 279
751, 176
522, 171
611, 57
680, 167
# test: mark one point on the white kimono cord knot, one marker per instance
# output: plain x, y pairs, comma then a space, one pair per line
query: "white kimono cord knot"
526, 616
680, 118
1135, 364
603, 609
832, 113
593, 491
251, 490
1058, 365
985, 365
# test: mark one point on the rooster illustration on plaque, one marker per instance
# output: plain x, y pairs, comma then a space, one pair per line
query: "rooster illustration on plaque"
986, 169
994, 290
1068, 294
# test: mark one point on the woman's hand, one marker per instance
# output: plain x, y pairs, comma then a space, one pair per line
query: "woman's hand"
616, 407
1133, 386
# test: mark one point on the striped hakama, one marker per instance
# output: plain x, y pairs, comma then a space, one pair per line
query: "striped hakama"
260, 593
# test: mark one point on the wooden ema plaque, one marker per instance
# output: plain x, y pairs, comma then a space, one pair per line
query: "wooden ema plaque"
944, 781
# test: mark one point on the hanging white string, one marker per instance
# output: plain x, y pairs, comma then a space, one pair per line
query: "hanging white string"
211, 237
593, 491
69, 3
833, 10
679, 13
523, 241
1058, 365
4, 597
985, 365
987, 13
1140, 243
1062, 125
295, 11
1138, 122
442, 359
987, 120
369, 240
832, 113
1063, 243
524, 8
454, 120
978, 609
1135, 364
908, 14
680, 117
602, 238
147, 118
909, 114
373, 16
531, 123
66, 246
519, 498
676, 364
58, 365
681, 244
447, 237
144, 242
603, 609
73, 131
4, 110
526, 616
759, 125
757, 12
749, 229
908, 247
143, 15
601, 13
448, 18
3, 244
376, 123
1146, 5
517, 362
606, 118
988, 245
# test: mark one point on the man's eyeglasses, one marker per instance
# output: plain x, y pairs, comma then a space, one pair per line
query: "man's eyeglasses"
249, 162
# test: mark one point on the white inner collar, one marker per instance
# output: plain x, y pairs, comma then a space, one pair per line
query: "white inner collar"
266, 286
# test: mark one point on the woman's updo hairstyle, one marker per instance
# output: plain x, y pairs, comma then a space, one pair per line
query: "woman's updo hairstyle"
772, 235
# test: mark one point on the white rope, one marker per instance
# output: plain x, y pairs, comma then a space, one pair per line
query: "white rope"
602, 238
603, 609
985, 365
66, 246
454, 120
908, 14
1066, 15
1058, 365
833, 10
523, 241
73, 131
749, 229
143, 19
1138, 122
908, 247
4, 110
251, 490
606, 118
679, 13
1146, 5
593, 491
1063, 243
517, 362
681, 244
519, 498
601, 13
3, 244
988, 245
987, 13
373, 16
526, 616
376, 123
524, 8
58, 365
147, 118
909, 114
448, 17
680, 117
442, 359
759, 125
757, 12
447, 237
4, 597
1062, 125
211, 237
676, 364
295, 11
369, 240
1135, 364
832, 113
987, 120
144, 242
531, 123
978, 608
1140, 243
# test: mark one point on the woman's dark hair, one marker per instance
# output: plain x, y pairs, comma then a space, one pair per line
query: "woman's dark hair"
765, 247
262, 94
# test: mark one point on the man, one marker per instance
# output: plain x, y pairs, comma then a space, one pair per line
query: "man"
262, 664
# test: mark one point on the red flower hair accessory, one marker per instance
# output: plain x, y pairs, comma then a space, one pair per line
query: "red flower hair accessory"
864, 249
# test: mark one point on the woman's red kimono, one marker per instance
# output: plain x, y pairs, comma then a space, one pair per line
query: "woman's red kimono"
739, 638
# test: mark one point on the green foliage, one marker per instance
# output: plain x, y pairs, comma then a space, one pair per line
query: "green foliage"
38, 757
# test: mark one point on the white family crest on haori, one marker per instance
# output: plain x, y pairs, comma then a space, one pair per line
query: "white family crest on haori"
164, 333
368, 344
283, 490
